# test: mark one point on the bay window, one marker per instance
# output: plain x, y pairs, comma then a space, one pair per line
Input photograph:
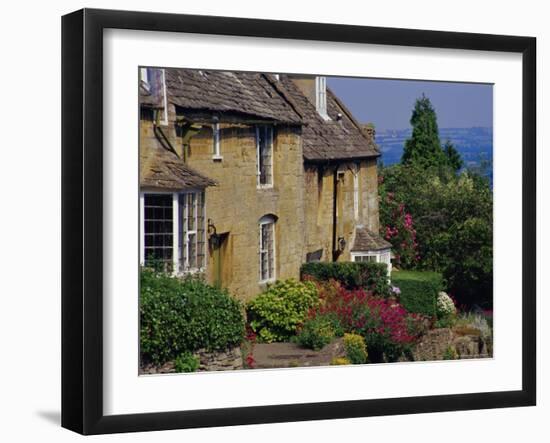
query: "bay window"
173, 231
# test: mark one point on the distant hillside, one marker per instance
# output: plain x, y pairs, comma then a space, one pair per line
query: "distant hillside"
474, 144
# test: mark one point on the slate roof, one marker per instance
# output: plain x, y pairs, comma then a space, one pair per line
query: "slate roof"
366, 240
249, 95
162, 169
147, 99
335, 139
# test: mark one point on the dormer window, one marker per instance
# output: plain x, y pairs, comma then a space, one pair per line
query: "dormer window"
321, 96
153, 80
144, 78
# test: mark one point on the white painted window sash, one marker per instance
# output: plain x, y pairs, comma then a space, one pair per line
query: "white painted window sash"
175, 234
270, 252
216, 152
144, 77
142, 228
267, 132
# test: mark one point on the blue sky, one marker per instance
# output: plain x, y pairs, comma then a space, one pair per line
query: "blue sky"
389, 103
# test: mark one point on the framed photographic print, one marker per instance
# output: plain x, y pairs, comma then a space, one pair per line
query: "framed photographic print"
270, 221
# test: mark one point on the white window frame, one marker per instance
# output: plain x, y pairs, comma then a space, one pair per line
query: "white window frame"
216, 148
269, 130
321, 96
381, 256
267, 220
144, 78
176, 223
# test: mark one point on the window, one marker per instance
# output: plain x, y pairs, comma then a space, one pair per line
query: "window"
192, 243
365, 258
381, 256
173, 231
154, 81
216, 153
267, 248
264, 153
144, 78
321, 96
158, 230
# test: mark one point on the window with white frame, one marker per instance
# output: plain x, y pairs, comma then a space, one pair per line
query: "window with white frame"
365, 258
158, 235
153, 80
381, 256
321, 96
216, 151
144, 78
192, 237
173, 231
267, 248
264, 155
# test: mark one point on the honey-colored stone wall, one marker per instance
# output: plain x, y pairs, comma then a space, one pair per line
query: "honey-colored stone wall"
237, 203
319, 185
301, 199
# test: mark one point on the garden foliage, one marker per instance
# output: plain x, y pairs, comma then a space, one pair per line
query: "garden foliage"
356, 349
419, 290
316, 333
387, 328
186, 362
276, 313
372, 277
178, 316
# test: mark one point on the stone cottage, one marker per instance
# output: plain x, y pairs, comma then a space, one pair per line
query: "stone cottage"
245, 176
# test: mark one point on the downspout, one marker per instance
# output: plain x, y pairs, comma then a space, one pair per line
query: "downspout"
188, 130
334, 210
160, 135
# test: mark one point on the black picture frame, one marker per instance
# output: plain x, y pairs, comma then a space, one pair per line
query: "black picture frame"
82, 218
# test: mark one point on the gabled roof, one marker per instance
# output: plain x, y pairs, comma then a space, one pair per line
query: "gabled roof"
366, 240
246, 94
339, 138
162, 169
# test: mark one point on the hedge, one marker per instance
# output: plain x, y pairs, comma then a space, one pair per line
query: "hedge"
353, 275
179, 316
418, 290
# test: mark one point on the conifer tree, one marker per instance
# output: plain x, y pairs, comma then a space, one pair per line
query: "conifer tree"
424, 147
454, 160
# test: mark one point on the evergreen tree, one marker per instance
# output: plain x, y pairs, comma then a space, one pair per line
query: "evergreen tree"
424, 147
454, 160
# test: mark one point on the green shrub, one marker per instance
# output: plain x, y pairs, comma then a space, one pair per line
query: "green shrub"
418, 290
277, 312
186, 362
356, 349
316, 333
450, 353
185, 315
372, 277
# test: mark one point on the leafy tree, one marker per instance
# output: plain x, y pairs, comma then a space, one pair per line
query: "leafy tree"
424, 146
452, 224
454, 160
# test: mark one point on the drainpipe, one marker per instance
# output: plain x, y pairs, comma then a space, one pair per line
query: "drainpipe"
334, 210
188, 130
